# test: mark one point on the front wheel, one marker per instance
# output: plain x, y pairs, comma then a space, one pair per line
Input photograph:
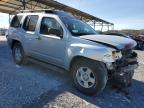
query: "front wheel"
90, 77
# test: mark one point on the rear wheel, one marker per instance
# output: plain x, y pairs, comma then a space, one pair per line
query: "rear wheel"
90, 77
18, 54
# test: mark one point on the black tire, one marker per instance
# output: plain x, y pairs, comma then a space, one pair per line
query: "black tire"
22, 59
142, 47
138, 45
99, 71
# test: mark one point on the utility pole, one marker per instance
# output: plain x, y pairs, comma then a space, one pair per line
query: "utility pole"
94, 24
24, 4
9, 18
102, 27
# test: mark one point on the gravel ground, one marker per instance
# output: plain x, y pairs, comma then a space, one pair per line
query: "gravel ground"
35, 86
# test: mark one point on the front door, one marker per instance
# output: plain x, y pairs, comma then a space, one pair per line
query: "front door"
51, 43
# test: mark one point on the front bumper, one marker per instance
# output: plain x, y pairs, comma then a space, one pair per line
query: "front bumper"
129, 68
123, 69
123, 78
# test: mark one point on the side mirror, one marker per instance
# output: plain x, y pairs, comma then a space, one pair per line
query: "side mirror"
56, 32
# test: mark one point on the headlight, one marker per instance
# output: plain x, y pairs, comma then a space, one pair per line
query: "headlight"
116, 55
111, 57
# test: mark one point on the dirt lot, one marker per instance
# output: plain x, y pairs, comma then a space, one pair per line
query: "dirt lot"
35, 86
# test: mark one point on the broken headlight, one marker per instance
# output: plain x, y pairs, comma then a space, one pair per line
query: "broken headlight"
116, 55
111, 57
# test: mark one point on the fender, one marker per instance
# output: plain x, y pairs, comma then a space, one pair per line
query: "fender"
96, 52
15, 34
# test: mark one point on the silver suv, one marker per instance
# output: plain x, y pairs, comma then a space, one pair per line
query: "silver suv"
58, 38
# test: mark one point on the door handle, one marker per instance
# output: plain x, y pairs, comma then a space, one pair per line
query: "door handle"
38, 38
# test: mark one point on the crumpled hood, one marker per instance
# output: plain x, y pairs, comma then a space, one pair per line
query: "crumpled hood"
116, 42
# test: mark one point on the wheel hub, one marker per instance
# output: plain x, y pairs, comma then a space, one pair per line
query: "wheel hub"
85, 77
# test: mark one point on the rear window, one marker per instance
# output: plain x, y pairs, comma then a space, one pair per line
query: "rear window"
16, 21
30, 23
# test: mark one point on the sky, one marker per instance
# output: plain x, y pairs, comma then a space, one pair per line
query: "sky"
4, 20
125, 14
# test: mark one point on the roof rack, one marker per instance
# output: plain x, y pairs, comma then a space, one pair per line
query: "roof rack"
38, 10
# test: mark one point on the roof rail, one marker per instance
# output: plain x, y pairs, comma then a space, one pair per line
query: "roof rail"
38, 10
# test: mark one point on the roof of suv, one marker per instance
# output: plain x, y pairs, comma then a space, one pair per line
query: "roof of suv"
54, 12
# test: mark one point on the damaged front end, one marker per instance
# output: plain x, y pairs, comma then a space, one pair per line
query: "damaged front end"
121, 71
120, 59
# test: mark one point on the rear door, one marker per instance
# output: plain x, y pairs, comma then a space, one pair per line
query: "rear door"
29, 27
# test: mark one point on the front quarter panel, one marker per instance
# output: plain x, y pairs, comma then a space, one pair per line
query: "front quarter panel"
87, 49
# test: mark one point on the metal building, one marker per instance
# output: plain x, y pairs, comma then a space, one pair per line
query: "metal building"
14, 6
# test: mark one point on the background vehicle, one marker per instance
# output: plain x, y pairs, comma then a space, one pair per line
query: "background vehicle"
60, 39
140, 41
2, 31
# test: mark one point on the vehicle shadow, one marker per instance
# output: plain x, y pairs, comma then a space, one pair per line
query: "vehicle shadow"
131, 97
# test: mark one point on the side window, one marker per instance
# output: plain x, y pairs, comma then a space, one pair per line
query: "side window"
16, 21
30, 23
50, 26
